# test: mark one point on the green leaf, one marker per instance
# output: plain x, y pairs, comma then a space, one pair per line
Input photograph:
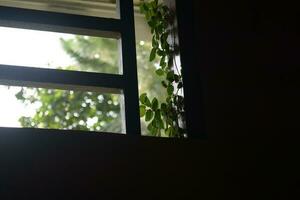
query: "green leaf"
156, 34
19, 95
170, 89
169, 131
176, 78
165, 45
180, 99
153, 122
160, 52
147, 102
153, 127
145, 7
143, 98
170, 61
149, 115
163, 63
165, 8
160, 28
160, 124
154, 43
169, 121
164, 84
154, 104
168, 99
180, 85
151, 23
150, 127
142, 8
170, 76
164, 37
163, 107
152, 54
157, 115
142, 110
159, 72
158, 121
152, 30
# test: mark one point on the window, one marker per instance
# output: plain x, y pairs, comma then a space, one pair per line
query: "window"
121, 80
77, 25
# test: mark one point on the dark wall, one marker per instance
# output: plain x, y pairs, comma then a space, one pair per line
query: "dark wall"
52, 166
247, 56
243, 76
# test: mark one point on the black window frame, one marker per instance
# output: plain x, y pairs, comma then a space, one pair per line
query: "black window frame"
123, 29
192, 45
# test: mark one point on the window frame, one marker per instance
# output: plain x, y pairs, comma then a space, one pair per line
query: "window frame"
114, 28
122, 29
190, 55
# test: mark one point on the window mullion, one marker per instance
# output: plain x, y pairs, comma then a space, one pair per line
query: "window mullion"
126, 12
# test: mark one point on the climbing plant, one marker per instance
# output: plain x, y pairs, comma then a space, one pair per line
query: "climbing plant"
167, 117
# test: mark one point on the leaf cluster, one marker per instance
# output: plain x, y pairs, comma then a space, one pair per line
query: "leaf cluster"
167, 117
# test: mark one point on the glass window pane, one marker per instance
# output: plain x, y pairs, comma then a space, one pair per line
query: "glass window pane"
60, 109
43, 49
97, 8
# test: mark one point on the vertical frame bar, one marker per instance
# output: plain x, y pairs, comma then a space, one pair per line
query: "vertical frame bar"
129, 63
194, 105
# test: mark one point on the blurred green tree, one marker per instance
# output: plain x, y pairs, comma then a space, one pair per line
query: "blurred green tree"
83, 110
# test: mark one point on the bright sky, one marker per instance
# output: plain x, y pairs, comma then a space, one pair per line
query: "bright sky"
27, 48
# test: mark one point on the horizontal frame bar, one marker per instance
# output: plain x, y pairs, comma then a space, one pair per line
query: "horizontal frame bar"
38, 131
61, 79
93, 7
45, 18
59, 29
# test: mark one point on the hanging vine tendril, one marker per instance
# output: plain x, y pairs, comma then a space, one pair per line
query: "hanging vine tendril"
166, 117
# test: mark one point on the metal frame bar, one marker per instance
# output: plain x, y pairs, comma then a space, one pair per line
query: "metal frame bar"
58, 79
192, 90
60, 19
42, 20
51, 131
94, 8
132, 116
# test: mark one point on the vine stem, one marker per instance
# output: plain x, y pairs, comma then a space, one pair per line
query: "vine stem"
174, 44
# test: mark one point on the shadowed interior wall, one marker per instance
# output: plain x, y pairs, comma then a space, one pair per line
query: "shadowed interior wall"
244, 76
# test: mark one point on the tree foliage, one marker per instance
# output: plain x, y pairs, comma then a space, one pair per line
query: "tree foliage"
83, 110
